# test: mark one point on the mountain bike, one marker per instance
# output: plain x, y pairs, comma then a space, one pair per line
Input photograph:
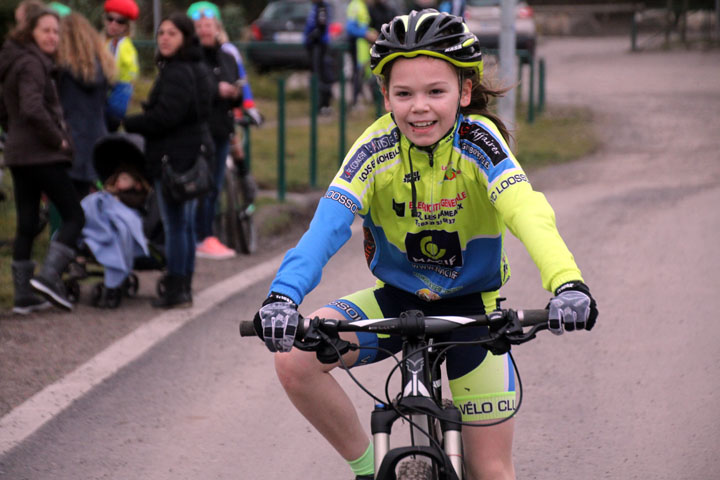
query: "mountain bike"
234, 220
436, 450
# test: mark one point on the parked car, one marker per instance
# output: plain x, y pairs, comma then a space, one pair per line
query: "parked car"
277, 35
483, 19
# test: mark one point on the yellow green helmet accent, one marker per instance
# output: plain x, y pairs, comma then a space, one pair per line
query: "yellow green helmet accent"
427, 32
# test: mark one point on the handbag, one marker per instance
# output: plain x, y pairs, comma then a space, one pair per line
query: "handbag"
187, 185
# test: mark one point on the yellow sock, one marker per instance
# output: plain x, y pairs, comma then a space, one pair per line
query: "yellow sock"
365, 465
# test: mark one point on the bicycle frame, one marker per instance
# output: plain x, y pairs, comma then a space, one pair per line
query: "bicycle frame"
421, 401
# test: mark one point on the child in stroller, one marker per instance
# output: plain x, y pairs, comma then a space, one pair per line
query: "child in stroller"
114, 234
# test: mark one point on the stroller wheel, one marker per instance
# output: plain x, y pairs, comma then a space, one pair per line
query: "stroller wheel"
96, 294
72, 289
161, 287
103, 297
130, 286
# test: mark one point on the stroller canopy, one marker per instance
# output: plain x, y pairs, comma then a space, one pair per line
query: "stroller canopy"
116, 149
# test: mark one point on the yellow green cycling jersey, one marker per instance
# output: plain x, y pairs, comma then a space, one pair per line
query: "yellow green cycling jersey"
434, 218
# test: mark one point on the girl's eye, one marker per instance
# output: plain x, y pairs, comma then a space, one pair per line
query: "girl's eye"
437, 91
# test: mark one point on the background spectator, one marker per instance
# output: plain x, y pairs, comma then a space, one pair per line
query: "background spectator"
316, 39
174, 124
86, 68
237, 152
360, 36
227, 94
118, 17
38, 153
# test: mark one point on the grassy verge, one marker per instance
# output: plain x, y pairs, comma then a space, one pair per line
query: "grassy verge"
537, 146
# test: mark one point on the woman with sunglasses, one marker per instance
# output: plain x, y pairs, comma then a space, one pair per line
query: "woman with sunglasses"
227, 94
118, 15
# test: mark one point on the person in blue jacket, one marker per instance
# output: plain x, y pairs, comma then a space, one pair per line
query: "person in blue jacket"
316, 39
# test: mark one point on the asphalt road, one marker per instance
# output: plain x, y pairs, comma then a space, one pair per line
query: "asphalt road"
634, 398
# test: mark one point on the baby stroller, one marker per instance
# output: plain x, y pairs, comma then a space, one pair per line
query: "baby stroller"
115, 232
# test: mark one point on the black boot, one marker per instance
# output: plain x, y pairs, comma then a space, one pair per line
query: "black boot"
26, 301
49, 282
175, 296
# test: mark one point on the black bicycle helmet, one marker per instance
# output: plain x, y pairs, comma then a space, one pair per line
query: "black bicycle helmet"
427, 32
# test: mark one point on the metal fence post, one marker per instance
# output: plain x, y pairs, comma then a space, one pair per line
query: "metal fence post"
343, 125
313, 128
541, 86
281, 139
531, 92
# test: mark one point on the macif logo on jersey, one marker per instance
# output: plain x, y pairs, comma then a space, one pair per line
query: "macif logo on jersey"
435, 247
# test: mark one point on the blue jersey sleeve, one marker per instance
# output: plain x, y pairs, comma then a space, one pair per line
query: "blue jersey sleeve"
301, 269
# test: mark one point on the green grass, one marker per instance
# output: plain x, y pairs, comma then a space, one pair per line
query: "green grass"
538, 145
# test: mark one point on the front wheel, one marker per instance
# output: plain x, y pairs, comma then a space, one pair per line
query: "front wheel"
415, 469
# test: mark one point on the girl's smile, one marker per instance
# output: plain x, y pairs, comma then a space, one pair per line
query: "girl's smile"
423, 94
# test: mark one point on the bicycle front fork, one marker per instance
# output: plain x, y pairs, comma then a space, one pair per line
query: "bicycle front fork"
386, 459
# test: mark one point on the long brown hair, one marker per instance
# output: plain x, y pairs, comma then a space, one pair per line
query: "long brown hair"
482, 94
81, 49
23, 32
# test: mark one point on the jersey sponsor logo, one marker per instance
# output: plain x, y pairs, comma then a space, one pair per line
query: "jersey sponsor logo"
451, 173
366, 151
347, 309
343, 200
369, 245
484, 140
436, 247
411, 177
380, 159
485, 408
504, 184
399, 208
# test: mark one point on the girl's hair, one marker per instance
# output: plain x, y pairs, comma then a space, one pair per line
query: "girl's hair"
481, 95
81, 49
28, 6
23, 32
190, 48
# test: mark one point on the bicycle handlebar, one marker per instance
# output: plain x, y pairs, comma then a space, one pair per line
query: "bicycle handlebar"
507, 324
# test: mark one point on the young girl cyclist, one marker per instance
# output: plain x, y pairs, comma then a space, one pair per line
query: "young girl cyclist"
436, 185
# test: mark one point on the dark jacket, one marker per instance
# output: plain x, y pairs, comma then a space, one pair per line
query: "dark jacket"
84, 108
33, 118
223, 67
316, 25
174, 118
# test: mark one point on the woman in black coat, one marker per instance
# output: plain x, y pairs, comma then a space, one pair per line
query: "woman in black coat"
227, 94
38, 151
174, 124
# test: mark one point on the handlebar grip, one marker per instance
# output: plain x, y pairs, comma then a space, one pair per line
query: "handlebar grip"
533, 317
247, 329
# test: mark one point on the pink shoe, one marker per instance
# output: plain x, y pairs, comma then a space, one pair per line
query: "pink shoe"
212, 248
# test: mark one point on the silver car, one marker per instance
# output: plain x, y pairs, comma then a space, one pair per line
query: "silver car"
483, 19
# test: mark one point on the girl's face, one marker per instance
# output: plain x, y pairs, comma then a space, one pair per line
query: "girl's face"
46, 34
169, 39
207, 31
423, 95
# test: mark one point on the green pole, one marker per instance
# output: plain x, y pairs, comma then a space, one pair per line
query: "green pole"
341, 146
541, 86
246, 146
531, 92
281, 139
633, 33
313, 129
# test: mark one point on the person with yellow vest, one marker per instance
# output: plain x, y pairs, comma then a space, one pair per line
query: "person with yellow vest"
360, 36
118, 15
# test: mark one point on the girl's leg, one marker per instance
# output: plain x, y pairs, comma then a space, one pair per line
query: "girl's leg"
58, 186
27, 207
488, 451
320, 398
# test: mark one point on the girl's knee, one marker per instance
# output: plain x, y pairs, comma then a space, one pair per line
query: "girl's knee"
295, 367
